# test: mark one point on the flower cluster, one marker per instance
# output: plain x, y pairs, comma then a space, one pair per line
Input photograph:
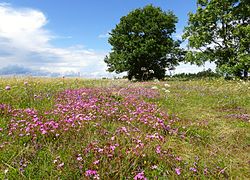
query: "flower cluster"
73, 108
78, 110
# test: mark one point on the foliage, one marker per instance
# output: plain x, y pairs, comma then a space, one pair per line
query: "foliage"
142, 44
192, 76
219, 31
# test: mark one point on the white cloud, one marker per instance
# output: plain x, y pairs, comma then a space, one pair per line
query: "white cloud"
106, 35
23, 27
188, 68
25, 41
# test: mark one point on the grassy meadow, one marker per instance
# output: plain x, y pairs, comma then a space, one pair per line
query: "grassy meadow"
68, 128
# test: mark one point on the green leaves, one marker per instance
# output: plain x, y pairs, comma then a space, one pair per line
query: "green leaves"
219, 31
141, 40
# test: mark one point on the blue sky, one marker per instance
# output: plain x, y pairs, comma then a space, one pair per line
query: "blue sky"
65, 36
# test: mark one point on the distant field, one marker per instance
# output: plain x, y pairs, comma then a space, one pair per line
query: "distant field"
65, 128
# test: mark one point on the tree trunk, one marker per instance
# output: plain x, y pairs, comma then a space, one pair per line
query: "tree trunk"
245, 74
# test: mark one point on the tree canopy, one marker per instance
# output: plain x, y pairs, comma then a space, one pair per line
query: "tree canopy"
219, 32
142, 44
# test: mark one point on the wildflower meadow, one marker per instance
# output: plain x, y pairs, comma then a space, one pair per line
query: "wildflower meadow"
68, 128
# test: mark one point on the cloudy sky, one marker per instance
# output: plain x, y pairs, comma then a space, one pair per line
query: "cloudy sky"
67, 37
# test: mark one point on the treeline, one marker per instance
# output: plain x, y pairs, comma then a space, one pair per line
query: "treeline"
189, 76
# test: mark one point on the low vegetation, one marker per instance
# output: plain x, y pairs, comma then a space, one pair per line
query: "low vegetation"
65, 128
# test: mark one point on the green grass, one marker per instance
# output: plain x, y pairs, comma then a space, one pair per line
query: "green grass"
212, 117
205, 109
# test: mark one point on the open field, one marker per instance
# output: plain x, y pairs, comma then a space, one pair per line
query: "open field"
66, 128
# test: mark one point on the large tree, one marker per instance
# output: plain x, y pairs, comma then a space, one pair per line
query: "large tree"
142, 44
219, 32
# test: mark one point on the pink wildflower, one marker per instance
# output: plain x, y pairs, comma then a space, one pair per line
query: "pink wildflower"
90, 173
158, 149
44, 131
112, 148
7, 88
140, 176
100, 150
154, 167
178, 158
205, 171
79, 158
178, 171
96, 162
193, 169
61, 165
222, 171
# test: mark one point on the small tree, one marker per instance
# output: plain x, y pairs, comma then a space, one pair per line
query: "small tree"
219, 32
142, 44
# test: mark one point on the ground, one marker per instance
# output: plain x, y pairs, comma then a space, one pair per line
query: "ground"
65, 128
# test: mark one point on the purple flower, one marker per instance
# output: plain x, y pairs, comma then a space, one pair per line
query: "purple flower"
61, 165
112, 138
90, 173
96, 162
222, 171
140, 176
193, 169
112, 148
154, 167
79, 158
178, 171
205, 171
43, 131
7, 88
178, 158
158, 149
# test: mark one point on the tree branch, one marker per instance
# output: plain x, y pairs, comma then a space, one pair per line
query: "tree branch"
217, 43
